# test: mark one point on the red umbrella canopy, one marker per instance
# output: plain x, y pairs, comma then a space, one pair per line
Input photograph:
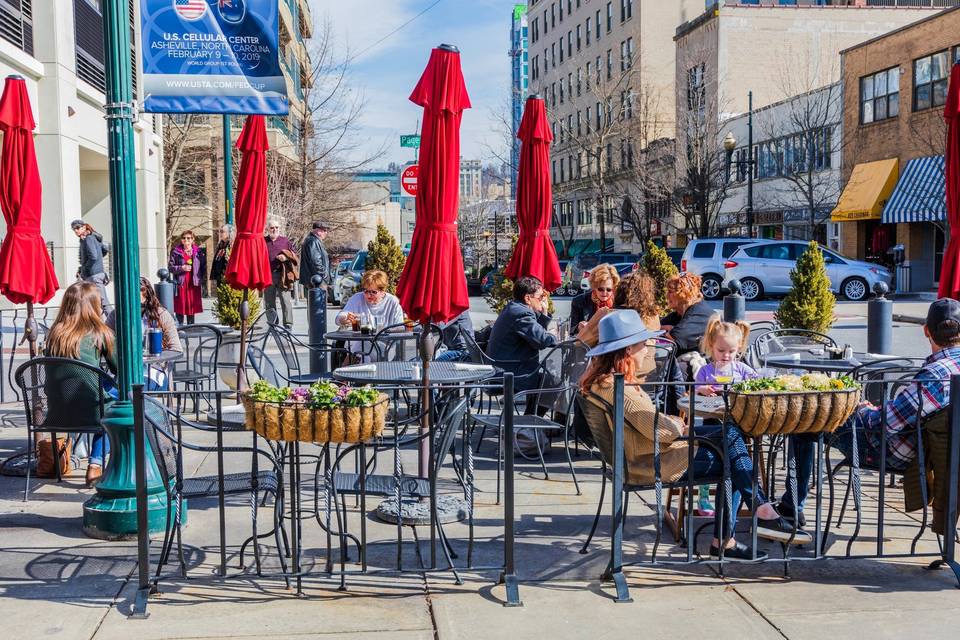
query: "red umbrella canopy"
950, 273
249, 265
432, 286
535, 254
26, 273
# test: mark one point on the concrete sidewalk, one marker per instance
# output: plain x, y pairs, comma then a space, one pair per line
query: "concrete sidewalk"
56, 583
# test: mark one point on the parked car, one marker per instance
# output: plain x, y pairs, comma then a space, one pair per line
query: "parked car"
764, 268
676, 256
338, 274
705, 258
623, 268
587, 261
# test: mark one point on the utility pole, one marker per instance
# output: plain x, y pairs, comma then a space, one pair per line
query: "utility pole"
227, 170
750, 164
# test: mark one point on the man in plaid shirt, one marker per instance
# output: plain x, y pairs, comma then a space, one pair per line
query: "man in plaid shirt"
942, 329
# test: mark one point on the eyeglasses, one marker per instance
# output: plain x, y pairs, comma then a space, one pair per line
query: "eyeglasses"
275, 227
371, 292
605, 289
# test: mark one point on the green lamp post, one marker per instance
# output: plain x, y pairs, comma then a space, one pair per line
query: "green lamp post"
112, 512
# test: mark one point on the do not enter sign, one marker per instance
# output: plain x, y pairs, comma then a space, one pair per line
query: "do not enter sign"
408, 179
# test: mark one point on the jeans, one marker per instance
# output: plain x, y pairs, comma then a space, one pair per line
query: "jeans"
805, 447
451, 355
270, 297
707, 463
100, 279
99, 448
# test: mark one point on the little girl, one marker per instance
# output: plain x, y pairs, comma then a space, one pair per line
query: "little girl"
723, 342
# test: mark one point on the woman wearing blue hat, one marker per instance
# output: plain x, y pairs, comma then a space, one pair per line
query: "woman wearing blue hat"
622, 349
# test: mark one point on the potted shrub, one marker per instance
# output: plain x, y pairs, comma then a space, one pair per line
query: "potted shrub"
226, 310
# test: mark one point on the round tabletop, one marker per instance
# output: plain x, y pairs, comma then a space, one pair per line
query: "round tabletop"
398, 372
710, 406
348, 335
823, 363
167, 355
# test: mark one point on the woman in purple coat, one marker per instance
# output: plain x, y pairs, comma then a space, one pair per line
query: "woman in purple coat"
188, 264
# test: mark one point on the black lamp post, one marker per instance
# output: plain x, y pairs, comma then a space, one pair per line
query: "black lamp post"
729, 144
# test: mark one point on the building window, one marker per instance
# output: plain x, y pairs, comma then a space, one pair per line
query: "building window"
599, 117
561, 92
560, 46
930, 75
570, 86
16, 24
880, 96
561, 172
578, 37
599, 72
609, 16
569, 124
579, 124
588, 121
587, 31
553, 55
553, 16
626, 10
545, 23
629, 52
569, 43
596, 21
534, 30
587, 77
579, 80
536, 67
696, 89
609, 64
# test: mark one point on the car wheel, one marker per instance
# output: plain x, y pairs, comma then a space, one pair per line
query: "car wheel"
855, 289
711, 287
751, 289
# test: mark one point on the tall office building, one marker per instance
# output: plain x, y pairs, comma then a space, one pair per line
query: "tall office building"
520, 78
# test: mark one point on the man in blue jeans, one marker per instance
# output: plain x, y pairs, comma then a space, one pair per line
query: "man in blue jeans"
942, 329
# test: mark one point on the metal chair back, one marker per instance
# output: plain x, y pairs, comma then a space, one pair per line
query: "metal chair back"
201, 350
63, 395
779, 341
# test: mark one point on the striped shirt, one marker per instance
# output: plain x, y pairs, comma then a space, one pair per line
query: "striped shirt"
902, 411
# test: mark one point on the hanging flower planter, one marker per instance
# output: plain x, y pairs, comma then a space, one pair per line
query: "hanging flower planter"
812, 403
324, 412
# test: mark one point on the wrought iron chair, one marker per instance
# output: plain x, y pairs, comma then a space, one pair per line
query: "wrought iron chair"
164, 428
599, 415
290, 347
778, 341
199, 367
61, 396
452, 411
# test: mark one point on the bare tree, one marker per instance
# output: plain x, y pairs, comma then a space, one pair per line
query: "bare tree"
186, 165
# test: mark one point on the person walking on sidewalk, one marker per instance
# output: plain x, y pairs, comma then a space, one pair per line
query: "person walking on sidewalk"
314, 259
280, 251
188, 264
221, 254
92, 251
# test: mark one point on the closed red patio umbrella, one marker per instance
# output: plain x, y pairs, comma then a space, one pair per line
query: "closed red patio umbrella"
26, 272
433, 287
249, 264
950, 273
534, 254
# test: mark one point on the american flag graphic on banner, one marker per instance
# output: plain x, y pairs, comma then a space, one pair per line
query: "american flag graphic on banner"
190, 9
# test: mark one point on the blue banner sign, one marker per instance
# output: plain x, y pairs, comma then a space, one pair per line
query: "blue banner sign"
212, 56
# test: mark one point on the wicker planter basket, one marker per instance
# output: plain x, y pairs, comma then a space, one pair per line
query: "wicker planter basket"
788, 412
290, 421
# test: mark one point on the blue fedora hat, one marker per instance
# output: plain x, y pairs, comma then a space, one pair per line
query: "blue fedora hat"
621, 329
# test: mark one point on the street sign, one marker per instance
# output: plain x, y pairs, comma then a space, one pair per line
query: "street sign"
408, 179
410, 141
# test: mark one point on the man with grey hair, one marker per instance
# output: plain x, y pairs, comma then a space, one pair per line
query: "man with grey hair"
280, 251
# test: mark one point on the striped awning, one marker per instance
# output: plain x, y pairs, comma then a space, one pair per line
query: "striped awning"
920, 194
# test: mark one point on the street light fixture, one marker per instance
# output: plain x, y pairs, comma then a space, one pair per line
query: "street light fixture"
729, 145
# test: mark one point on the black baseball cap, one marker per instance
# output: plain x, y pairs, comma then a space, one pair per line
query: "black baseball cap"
943, 319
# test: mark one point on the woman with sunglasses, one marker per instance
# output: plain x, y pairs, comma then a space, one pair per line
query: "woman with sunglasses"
372, 302
603, 282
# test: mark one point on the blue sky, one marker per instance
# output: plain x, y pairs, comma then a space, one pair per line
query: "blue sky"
387, 72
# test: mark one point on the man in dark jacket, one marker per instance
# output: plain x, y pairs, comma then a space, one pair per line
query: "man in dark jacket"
520, 332
276, 246
314, 260
453, 336
92, 251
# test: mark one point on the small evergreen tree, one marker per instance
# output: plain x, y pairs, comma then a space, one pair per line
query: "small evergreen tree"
384, 254
809, 304
658, 265
226, 308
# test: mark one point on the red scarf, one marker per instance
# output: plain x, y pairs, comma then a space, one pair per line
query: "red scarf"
601, 304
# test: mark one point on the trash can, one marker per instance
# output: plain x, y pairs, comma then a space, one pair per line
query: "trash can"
903, 278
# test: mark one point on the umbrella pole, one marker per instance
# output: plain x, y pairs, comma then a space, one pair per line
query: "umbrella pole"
30, 335
241, 361
425, 345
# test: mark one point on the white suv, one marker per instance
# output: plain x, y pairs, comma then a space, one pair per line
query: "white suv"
705, 257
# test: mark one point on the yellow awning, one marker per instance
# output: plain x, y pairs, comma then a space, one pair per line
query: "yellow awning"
868, 189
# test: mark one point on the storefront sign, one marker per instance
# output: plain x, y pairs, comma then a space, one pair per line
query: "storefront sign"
218, 56
803, 215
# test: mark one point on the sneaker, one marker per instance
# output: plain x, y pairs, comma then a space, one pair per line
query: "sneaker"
738, 551
779, 530
704, 508
786, 511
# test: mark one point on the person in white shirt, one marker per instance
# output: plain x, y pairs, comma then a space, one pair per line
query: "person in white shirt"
371, 302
